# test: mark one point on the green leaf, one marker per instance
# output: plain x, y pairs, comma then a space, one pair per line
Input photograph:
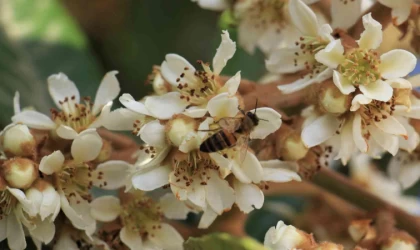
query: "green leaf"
222, 241
227, 20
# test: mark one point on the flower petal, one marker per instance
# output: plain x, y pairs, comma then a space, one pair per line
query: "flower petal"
60, 87
303, 18
153, 134
399, 83
105, 208
118, 120
285, 60
15, 233
400, 9
16, 103
216, 5
44, 231
269, 122
347, 146
107, 91
251, 166
77, 211
391, 126
413, 137
86, 146
379, 90
320, 130
248, 196
231, 86
173, 208
165, 106
358, 138
34, 119
397, 63
66, 132
3, 229
305, 82
279, 175
345, 14
152, 179
223, 106
371, 37
131, 239
166, 237
342, 83
358, 101
207, 218
173, 66
195, 112
52, 163
386, 141
332, 55
197, 194
128, 101
28, 206
111, 175
225, 52
220, 196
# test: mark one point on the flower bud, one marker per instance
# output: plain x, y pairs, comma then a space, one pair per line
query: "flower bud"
328, 246
399, 241
361, 230
18, 141
179, 127
291, 147
287, 237
331, 100
19, 172
105, 153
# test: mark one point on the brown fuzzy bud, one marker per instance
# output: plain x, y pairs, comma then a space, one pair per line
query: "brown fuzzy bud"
291, 147
19, 172
18, 141
331, 100
362, 230
179, 127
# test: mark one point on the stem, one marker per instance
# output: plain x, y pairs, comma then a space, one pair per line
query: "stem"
380, 13
349, 191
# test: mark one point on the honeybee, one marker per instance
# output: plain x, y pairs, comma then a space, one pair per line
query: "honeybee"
232, 131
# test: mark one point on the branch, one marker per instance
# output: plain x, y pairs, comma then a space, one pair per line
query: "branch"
344, 188
380, 13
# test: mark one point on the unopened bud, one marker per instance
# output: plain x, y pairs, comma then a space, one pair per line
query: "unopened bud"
18, 141
19, 172
400, 241
331, 100
362, 230
105, 153
287, 237
179, 127
328, 246
291, 147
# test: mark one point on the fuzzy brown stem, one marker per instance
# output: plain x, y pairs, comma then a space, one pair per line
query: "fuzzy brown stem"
349, 191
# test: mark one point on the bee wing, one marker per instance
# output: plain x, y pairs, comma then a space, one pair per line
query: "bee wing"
242, 146
230, 124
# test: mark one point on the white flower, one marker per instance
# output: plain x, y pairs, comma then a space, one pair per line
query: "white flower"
217, 5
363, 172
16, 208
283, 237
73, 239
73, 117
74, 178
400, 9
141, 217
344, 14
405, 168
313, 38
371, 126
264, 24
363, 68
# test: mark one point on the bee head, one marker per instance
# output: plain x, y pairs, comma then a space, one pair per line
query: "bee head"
253, 117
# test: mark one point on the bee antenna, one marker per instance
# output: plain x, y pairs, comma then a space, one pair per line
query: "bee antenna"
262, 119
256, 104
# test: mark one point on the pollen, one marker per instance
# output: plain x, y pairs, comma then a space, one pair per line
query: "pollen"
361, 67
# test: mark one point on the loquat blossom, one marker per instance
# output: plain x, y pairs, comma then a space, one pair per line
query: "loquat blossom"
314, 37
283, 237
367, 125
141, 219
73, 117
363, 68
405, 168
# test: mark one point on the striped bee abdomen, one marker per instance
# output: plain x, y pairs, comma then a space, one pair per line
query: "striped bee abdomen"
218, 141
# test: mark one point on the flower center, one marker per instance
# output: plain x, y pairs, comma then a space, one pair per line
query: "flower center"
264, 13
376, 111
75, 178
7, 203
75, 115
361, 67
192, 167
308, 47
141, 215
201, 88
